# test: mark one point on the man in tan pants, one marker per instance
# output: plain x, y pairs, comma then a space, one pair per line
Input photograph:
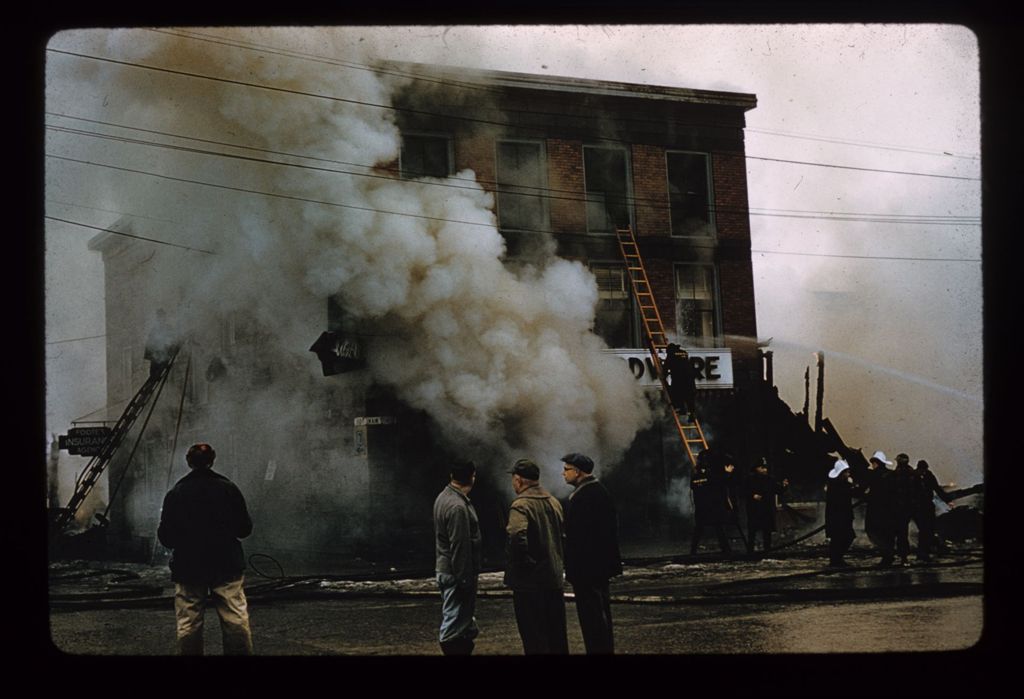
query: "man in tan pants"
203, 517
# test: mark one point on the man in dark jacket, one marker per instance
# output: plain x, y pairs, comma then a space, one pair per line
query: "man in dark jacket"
839, 513
762, 488
904, 498
682, 389
924, 509
203, 517
457, 546
535, 570
712, 505
591, 551
878, 516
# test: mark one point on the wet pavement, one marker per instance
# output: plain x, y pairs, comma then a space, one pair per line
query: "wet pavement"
787, 602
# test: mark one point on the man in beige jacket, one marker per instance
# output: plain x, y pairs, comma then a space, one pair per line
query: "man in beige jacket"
535, 570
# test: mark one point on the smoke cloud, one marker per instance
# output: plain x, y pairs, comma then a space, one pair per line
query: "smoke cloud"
501, 358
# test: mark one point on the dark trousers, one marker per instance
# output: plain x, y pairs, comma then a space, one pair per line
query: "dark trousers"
837, 548
540, 616
594, 610
723, 540
766, 538
925, 521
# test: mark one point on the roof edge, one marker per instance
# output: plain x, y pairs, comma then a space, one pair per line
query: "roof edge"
559, 83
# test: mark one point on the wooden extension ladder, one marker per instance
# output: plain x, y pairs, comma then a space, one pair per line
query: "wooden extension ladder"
691, 433
99, 462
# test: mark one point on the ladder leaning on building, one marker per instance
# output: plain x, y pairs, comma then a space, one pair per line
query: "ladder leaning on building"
691, 433
99, 462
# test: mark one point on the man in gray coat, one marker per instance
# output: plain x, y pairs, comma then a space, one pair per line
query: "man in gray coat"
535, 569
457, 545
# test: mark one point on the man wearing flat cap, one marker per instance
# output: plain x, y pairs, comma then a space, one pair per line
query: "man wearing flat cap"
591, 551
534, 567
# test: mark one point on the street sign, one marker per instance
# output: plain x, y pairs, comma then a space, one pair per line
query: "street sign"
84, 441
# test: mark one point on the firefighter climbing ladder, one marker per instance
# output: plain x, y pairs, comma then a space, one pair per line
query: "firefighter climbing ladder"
99, 462
691, 433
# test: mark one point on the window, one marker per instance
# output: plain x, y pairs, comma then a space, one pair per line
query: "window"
695, 305
425, 156
607, 185
520, 167
615, 319
689, 193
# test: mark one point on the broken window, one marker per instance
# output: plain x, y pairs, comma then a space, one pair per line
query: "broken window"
696, 315
425, 156
689, 193
615, 318
607, 183
520, 169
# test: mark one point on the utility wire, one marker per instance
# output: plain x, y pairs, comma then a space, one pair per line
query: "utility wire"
126, 235
869, 257
472, 223
420, 112
863, 169
60, 342
264, 48
863, 144
650, 203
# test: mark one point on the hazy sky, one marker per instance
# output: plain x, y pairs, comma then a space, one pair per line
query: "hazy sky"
864, 188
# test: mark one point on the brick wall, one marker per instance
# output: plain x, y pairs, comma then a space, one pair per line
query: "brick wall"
650, 188
476, 151
729, 177
565, 178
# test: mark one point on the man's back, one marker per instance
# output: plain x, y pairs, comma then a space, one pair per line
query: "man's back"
203, 517
536, 541
592, 546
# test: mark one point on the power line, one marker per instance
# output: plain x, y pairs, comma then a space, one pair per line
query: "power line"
127, 235
264, 48
863, 169
75, 339
868, 257
268, 194
541, 192
448, 116
863, 144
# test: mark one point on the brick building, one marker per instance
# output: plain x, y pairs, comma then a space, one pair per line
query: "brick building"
568, 160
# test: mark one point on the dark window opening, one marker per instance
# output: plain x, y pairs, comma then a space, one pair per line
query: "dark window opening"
689, 193
615, 318
425, 156
607, 185
520, 170
695, 305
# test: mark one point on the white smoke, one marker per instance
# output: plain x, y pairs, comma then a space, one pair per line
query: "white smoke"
503, 361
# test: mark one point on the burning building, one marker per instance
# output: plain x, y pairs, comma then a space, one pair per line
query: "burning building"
427, 267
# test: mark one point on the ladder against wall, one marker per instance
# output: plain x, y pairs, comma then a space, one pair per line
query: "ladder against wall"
100, 461
690, 432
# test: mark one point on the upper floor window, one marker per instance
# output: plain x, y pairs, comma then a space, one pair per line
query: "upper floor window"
520, 170
425, 156
606, 176
689, 193
615, 319
696, 307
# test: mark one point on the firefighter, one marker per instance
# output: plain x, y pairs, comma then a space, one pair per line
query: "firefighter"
682, 389
839, 513
924, 510
761, 493
712, 505
878, 524
904, 497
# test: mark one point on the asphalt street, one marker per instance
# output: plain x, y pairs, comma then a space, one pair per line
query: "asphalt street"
783, 603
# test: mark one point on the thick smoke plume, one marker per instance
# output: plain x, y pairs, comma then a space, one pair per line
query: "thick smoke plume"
503, 360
